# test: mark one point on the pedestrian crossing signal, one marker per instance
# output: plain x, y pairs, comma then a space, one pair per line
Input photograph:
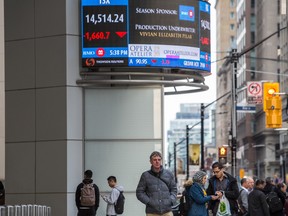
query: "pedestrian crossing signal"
222, 154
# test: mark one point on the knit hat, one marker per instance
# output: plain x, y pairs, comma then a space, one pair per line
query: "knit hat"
198, 177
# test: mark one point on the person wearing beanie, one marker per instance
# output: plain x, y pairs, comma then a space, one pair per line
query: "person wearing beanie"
199, 196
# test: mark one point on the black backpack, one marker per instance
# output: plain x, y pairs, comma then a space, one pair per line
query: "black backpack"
119, 205
185, 202
274, 202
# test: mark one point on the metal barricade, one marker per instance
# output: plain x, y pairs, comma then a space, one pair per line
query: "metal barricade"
25, 210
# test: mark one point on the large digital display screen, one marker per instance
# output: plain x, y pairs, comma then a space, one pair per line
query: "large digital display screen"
146, 33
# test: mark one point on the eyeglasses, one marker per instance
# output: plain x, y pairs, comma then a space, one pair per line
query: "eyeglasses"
216, 172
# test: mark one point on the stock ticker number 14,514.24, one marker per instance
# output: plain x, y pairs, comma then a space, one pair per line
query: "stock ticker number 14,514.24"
104, 18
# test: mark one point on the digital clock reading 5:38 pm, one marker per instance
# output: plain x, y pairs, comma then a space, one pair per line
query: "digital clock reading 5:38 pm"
104, 18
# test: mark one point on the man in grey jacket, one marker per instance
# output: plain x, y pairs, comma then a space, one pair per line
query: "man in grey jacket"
243, 197
157, 188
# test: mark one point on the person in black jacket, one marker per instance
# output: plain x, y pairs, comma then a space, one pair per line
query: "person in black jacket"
281, 193
2, 194
269, 186
223, 182
257, 200
87, 210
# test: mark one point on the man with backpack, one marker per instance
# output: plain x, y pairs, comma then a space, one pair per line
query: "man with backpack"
112, 200
273, 198
87, 196
257, 200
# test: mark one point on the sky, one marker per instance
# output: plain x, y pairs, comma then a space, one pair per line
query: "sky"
172, 102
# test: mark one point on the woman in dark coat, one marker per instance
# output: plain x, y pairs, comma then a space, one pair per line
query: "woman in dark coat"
257, 200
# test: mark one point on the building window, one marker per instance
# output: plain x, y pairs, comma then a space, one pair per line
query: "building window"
252, 3
231, 15
231, 3
232, 42
252, 37
232, 26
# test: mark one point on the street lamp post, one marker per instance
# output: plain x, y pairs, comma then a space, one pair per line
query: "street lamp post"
187, 152
234, 116
202, 136
175, 169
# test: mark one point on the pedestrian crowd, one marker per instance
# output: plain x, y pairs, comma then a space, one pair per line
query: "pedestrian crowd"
224, 196
156, 190
219, 195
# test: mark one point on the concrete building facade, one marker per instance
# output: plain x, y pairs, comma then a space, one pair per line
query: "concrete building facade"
226, 40
56, 129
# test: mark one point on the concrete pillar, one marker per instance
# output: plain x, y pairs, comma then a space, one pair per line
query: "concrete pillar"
49, 133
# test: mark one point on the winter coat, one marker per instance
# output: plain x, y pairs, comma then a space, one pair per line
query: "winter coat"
199, 200
157, 191
78, 193
243, 198
257, 203
231, 193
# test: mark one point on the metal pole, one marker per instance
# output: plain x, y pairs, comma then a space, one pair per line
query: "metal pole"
175, 169
233, 111
187, 152
202, 136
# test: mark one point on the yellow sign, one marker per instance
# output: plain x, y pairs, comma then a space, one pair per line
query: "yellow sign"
194, 151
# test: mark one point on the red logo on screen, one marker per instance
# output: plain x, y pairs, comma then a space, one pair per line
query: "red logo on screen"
100, 52
190, 13
90, 62
205, 41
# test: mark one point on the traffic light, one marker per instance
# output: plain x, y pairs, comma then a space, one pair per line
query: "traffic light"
272, 105
269, 90
222, 154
